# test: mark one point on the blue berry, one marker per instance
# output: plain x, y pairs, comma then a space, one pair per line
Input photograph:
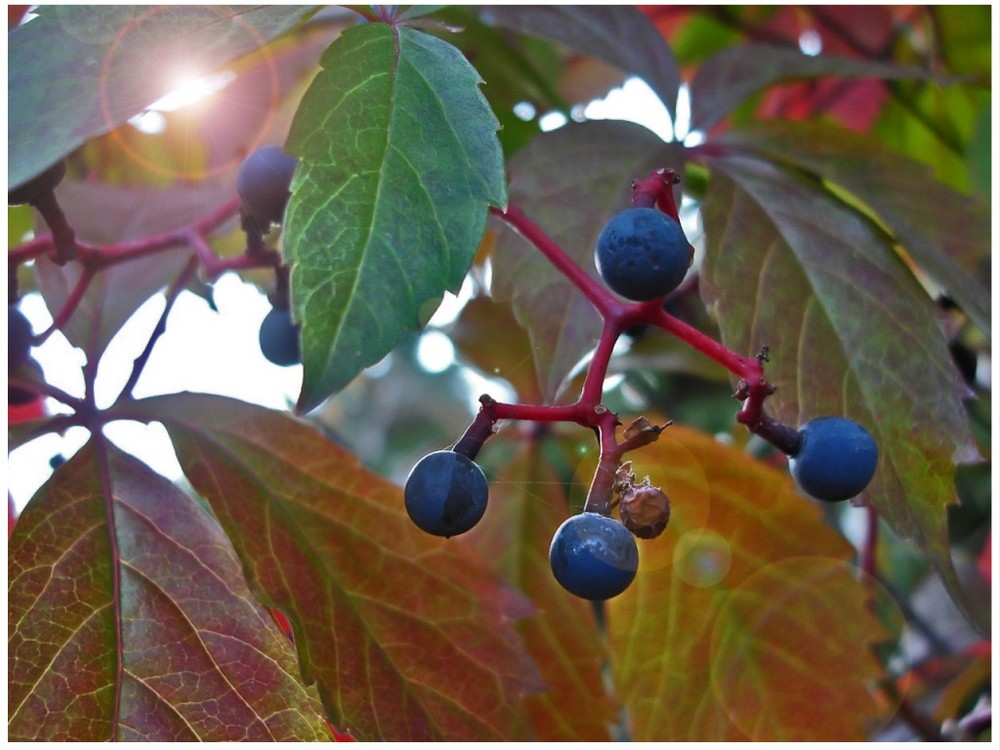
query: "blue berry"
263, 183
642, 254
836, 459
279, 338
446, 493
18, 337
593, 556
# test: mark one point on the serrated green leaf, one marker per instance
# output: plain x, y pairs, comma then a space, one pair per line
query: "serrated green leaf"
400, 162
77, 71
946, 233
729, 76
569, 182
617, 34
851, 333
745, 621
408, 636
129, 619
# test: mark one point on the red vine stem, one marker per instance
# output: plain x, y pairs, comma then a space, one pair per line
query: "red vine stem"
599, 297
753, 388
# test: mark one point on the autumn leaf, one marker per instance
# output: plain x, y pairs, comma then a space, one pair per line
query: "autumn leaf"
129, 619
729, 76
946, 233
408, 636
745, 621
850, 332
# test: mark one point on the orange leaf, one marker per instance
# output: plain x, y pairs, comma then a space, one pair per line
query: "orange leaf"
527, 504
745, 620
408, 636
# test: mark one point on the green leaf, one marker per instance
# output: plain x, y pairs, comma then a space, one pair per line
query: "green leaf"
408, 636
570, 182
945, 232
617, 34
850, 330
129, 619
745, 621
728, 77
77, 71
400, 162
528, 502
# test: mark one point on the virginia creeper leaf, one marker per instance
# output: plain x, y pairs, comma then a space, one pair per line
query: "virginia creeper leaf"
488, 336
400, 162
129, 618
408, 637
745, 603
850, 331
79, 71
569, 182
527, 503
946, 233
729, 76
116, 292
618, 34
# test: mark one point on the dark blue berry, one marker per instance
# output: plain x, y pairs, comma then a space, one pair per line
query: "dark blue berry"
593, 556
446, 493
263, 183
642, 254
18, 338
279, 338
836, 459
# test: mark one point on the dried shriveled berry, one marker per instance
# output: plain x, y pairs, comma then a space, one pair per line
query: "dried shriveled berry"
645, 510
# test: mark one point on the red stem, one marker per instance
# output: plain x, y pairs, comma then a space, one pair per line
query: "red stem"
69, 306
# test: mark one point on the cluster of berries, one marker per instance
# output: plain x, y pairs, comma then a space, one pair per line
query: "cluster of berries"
641, 254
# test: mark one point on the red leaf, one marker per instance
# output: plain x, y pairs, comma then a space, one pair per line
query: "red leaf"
129, 618
407, 636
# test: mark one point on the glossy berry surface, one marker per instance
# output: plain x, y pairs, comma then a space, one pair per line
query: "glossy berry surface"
18, 338
446, 493
593, 556
263, 182
37, 186
279, 338
642, 254
836, 459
